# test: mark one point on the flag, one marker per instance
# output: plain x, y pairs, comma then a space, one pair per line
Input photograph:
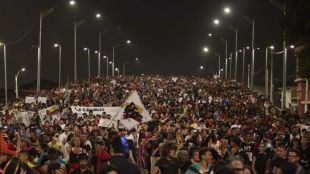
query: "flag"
4, 147
133, 112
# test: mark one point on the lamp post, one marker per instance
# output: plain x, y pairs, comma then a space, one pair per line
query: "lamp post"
5, 74
271, 74
219, 56
230, 62
16, 81
117, 70
107, 58
88, 60
126, 63
59, 63
76, 24
234, 29
42, 15
113, 55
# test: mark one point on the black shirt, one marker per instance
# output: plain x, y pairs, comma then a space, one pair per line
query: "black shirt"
124, 165
168, 166
78, 171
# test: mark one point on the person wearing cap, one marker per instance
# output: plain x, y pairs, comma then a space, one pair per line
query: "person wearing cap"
83, 165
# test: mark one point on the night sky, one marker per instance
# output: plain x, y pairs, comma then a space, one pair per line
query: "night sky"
167, 35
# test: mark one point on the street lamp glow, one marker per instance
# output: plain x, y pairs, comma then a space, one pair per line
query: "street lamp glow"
210, 34
56, 45
201, 67
85, 49
72, 2
116, 69
258, 48
105, 57
205, 49
271, 47
98, 15
247, 47
23, 69
292, 46
128, 41
227, 10
96, 52
136, 59
216, 21
110, 62
240, 51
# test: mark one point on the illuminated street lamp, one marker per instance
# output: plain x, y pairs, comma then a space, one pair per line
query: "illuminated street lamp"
117, 70
113, 55
16, 81
98, 15
56, 45
205, 49
88, 60
227, 10
216, 21
72, 3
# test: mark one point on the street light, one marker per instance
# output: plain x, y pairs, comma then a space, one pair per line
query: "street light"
42, 15
107, 58
88, 60
201, 67
5, 74
292, 46
98, 15
216, 21
96, 52
113, 55
117, 70
136, 59
205, 49
16, 81
227, 10
72, 3
76, 24
210, 34
56, 45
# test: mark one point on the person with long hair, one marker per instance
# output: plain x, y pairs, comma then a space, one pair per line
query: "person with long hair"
168, 164
75, 153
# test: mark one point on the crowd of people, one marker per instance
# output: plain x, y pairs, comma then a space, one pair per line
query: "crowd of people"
199, 126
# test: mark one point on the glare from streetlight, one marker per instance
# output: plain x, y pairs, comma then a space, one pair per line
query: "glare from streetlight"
258, 48
105, 57
85, 49
56, 45
128, 41
110, 62
271, 47
247, 47
72, 2
23, 69
292, 46
205, 49
201, 67
210, 34
116, 69
240, 51
136, 59
227, 10
216, 21
98, 15
96, 52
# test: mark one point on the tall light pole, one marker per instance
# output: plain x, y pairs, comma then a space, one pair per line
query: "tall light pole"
16, 81
42, 15
126, 63
113, 55
271, 74
107, 59
219, 56
88, 60
243, 62
5, 74
230, 62
253, 54
56, 45
266, 73
76, 24
99, 54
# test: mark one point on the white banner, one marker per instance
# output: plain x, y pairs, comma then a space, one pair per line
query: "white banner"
30, 100
53, 110
80, 110
24, 117
107, 123
42, 99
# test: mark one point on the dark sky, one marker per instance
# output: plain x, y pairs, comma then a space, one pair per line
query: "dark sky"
167, 35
